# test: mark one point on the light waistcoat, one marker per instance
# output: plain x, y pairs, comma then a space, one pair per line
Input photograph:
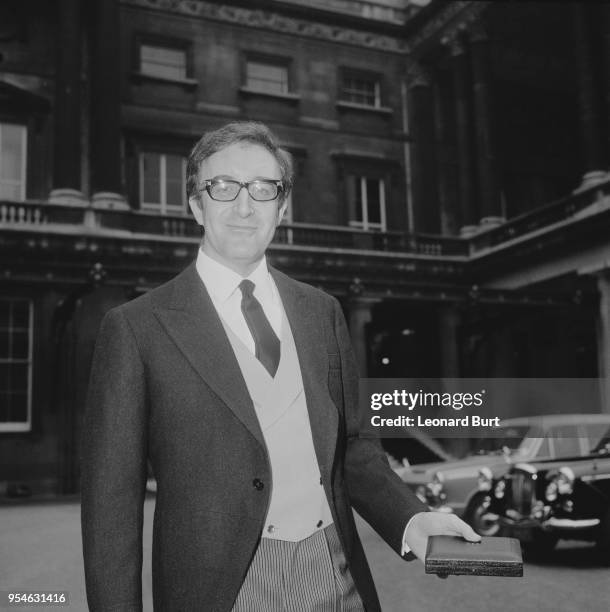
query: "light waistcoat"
298, 505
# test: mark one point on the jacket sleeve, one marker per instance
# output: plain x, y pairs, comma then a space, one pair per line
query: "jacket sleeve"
375, 491
113, 470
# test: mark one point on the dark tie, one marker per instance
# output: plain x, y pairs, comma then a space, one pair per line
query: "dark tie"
266, 343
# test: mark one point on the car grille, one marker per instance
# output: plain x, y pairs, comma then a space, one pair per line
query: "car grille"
523, 492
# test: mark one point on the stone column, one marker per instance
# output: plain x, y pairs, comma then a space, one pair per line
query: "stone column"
589, 99
106, 183
603, 337
359, 315
426, 214
67, 145
449, 321
463, 119
489, 194
605, 8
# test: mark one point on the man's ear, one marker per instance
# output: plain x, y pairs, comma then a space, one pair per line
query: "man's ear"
196, 206
281, 211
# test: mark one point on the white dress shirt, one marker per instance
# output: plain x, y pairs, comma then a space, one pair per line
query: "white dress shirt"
222, 284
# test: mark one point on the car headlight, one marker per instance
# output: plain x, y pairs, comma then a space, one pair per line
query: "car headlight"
560, 482
500, 488
551, 491
435, 493
485, 479
565, 481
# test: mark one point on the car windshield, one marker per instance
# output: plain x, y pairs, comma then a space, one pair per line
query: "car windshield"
511, 439
599, 439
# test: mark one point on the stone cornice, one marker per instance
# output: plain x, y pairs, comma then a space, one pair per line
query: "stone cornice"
268, 20
446, 25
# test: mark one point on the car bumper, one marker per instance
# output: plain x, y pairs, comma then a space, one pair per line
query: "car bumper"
523, 528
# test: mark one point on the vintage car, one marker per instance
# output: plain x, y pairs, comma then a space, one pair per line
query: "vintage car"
454, 486
542, 501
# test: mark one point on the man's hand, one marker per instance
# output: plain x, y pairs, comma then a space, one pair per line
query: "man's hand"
425, 524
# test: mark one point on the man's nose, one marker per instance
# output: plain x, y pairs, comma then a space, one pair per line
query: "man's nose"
243, 203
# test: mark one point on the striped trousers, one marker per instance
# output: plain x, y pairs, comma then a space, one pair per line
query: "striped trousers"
306, 576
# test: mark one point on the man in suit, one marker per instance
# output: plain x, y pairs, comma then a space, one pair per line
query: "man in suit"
239, 384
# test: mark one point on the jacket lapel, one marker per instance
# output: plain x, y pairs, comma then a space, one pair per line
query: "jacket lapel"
190, 319
305, 322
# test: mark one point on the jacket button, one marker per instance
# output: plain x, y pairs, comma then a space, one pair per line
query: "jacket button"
258, 484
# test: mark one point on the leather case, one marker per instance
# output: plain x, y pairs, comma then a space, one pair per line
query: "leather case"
491, 557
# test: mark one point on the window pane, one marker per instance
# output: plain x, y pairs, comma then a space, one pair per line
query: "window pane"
175, 193
151, 175
174, 180
565, 441
18, 410
14, 355
354, 198
360, 90
267, 77
21, 315
11, 153
4, 344
545, 449
4, 407
5, 307
4, 377
20, 345
566, 447
163, 62
598, 436
373, 202
18, 377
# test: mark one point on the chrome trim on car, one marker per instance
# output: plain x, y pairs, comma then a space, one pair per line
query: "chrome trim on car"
593, 477
526, 467
564, 523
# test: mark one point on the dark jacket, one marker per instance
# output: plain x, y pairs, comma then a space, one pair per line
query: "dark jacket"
166, 385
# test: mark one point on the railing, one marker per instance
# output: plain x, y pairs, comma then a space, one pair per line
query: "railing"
337, 237
31, 214
121, 223
572, 207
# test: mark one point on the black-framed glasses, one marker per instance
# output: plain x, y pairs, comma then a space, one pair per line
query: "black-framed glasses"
226, 190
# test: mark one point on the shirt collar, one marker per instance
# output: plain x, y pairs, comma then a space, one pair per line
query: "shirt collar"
221, 281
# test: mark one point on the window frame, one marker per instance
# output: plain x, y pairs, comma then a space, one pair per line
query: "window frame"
8, 427
162, 206
376, 78
163, 42
288, 96
281, 64
360, 183
147, 65
24, 156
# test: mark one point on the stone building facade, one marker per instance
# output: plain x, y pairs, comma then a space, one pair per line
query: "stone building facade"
452, 184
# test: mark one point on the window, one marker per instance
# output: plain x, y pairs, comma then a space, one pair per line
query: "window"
597, 437
12, 161
366, 199
164, 62
361, 89
162, 183
267, 77
15, 364
565, 441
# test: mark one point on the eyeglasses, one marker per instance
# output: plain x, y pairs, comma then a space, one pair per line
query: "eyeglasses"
227, 190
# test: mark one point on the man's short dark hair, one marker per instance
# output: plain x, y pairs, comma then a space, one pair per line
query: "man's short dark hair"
252, 132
